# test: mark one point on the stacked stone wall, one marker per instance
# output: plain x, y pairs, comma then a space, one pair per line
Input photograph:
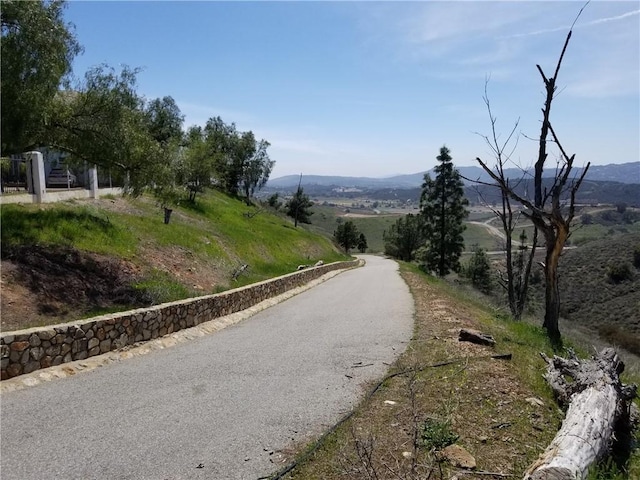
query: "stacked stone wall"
25, 351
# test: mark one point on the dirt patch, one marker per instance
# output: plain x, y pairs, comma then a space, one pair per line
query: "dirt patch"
45, 284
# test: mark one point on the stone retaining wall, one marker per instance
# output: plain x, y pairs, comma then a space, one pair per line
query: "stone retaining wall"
25, 351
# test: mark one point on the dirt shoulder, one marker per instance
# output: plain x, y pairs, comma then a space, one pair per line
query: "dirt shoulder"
448, 389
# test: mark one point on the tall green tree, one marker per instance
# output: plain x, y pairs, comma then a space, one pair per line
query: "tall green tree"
227, 148
298, 207
442, 206
256, 169
362, 243
346, 235
404, 237
197, 163
37, 51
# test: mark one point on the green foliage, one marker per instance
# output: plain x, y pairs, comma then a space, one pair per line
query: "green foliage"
437, 434
196, 166
347, 235
298, 207
619, 272
239, 161
479, 271
404, 237
621, 207
362, 243
273, 201
103, 121
442, 206
256, 168
164, 120
37, 51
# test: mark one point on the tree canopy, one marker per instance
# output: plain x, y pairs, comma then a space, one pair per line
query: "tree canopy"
347, 235
298, 207
404, 237
102, 119
37, 51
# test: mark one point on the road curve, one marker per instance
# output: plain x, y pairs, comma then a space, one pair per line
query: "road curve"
220, 406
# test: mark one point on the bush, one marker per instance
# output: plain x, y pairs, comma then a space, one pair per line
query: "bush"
619, 272
479, 270
437, 434
636, 257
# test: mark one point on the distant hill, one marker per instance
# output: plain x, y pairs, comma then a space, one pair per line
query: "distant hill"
589, 296
628, 173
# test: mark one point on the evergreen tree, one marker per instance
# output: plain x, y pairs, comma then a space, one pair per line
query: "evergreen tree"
442, 206
346, 235
362, 243
479, 270
298, 207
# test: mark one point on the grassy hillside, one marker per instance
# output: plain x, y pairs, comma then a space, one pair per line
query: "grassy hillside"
594, 296
73, 256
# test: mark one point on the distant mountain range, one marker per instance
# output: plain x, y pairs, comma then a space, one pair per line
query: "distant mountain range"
623, 173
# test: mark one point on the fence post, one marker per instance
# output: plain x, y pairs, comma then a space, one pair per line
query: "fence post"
93, 181
35, 175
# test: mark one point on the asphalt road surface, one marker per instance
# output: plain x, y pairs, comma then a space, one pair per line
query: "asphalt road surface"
221, 406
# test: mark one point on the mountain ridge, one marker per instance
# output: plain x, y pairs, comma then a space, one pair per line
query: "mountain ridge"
627, 173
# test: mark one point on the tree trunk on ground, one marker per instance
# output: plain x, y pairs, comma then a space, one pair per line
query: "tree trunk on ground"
598, 403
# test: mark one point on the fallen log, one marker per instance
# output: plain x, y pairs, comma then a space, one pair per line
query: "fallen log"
474, 336
597, 403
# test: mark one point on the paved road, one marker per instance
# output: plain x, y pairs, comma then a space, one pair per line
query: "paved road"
226, 403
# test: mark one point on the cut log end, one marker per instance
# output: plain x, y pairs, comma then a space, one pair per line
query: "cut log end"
551, 473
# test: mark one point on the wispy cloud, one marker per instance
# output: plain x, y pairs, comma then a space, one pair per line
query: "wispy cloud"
565, 28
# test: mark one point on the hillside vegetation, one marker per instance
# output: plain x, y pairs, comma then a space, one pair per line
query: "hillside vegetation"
601, 289
73, 259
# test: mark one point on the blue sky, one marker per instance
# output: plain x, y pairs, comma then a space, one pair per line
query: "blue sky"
376, 88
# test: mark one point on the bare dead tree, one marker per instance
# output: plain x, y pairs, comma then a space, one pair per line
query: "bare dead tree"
518, 266
552, 209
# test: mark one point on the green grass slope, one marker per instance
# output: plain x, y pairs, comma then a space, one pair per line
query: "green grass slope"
197, 253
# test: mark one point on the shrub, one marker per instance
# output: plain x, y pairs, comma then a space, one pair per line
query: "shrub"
479, 270
437, 434
619, 272
621, 207
636, 256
